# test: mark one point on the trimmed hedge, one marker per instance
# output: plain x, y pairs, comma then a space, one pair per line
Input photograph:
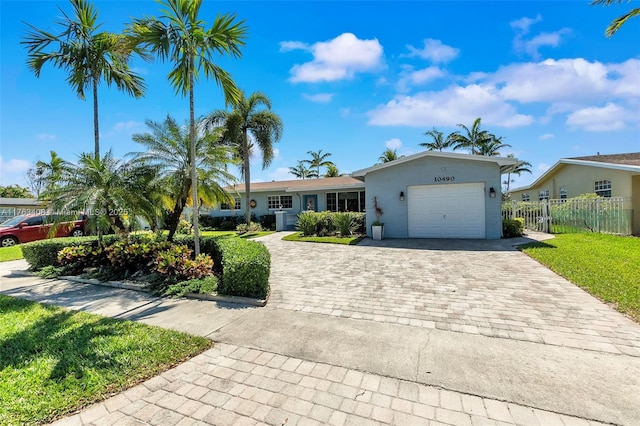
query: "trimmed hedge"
245, 268
512, 228
242, 265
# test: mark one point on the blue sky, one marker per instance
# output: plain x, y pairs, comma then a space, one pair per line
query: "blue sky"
355, 78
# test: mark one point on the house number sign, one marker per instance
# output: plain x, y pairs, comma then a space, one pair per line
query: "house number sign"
444, 178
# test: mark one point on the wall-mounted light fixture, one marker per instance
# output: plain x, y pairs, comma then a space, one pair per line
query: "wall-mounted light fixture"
492, 192
401, 195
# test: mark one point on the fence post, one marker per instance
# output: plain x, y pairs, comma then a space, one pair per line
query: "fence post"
513, 209
547, 216
598, 214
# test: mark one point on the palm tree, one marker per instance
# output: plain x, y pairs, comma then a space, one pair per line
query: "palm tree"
50, 173
521, 167
491, 147
472, 139
301, 171
318, 159
168, 150
191, 47
438, 143
246, 128
105, 188
332, 171
388, 155
617, 23
88, 57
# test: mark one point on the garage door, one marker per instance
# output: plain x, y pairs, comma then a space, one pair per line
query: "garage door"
446, 211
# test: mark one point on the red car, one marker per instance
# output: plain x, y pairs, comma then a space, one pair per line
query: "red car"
25, 228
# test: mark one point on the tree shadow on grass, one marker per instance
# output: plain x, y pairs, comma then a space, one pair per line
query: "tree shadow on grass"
70, 339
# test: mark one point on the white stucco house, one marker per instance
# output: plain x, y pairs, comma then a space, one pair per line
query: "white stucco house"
425, 195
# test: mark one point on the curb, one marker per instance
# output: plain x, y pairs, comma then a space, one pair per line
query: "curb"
143, 288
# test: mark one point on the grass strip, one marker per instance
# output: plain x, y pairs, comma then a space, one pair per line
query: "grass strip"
55, 361
330, 240
606, 266
10, 253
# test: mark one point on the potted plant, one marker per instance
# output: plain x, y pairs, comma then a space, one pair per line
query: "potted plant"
377, 227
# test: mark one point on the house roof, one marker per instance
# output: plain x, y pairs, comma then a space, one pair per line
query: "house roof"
299, 185
505, 163
629, 159
20, 202
629, 162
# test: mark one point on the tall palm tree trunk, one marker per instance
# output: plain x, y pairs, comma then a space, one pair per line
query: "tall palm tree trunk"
96, 130
247, 176
192, 158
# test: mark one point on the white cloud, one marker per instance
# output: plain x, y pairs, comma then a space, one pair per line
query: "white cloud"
393, 143
546, 136
319, 97
45, 137
12, 171
532, 46
543, 167
434, 51
287, 46
523, 24
409, 77
595, 119
345, 112
128, 126
570, 85
281, 173
336, 59
449, 107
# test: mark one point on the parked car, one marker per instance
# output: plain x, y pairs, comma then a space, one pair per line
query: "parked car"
30, 227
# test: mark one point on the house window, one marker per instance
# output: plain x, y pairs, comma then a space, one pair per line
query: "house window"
602, 188
237, 205
563, 193
526, 197
275, 202
345, 201
543, 194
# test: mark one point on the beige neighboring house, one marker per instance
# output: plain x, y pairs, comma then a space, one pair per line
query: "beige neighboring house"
10, 207
612, 175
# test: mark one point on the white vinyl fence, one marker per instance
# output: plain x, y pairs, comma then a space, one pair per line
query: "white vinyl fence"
601, 215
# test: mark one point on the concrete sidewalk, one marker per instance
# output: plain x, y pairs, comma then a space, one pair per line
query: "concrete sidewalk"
277, 366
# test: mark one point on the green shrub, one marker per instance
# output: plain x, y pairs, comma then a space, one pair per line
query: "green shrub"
252, 227
307, 223
344, 223
512, 228
245, 267
206, 285
51, 271
360, 220
325, 225
228, 225
39, 254
76, 258
184, 227
268, 221
176, 264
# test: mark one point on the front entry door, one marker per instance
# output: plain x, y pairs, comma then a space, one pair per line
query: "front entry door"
310, 203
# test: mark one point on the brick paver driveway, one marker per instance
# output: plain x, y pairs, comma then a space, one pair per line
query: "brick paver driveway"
477, 287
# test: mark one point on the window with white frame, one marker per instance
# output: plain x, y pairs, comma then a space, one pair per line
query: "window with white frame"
602, 188
275, 202
543, 194
236, 206
526, 197
563, 193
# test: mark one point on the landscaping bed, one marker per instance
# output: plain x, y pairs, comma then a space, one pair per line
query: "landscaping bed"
606, 266
227, 265
54, 362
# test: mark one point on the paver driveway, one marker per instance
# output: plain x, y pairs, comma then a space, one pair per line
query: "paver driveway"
477, 287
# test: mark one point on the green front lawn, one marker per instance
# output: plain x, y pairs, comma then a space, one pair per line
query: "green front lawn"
331, 240
54, 361
10, 253
607, 266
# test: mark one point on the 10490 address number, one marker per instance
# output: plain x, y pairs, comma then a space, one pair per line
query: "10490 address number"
444, 179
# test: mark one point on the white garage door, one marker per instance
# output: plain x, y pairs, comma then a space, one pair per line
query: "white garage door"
446, 211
